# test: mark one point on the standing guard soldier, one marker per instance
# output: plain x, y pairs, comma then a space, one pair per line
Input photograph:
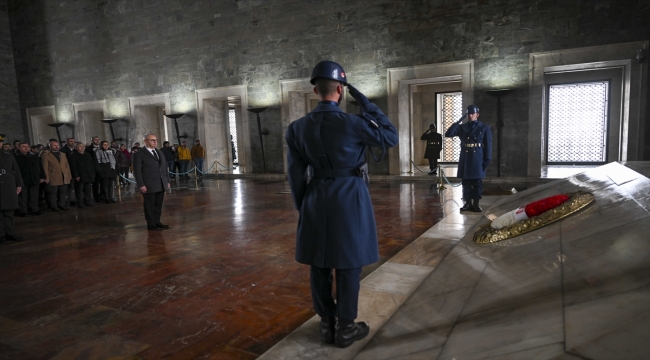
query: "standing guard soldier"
434, 146
336, 229
475, 155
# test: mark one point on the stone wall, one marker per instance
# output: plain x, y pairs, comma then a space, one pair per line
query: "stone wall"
10, 120
76, 51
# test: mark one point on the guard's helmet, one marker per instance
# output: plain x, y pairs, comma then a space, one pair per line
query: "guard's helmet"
472, 109
328, 70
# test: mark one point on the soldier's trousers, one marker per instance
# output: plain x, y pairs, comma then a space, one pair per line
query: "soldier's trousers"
433, 163
347, 292
7, 223
472, 188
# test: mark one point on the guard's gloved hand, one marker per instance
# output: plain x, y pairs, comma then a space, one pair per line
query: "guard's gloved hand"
358, 96
462, 118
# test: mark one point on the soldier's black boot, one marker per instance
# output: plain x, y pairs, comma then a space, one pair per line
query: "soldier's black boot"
327, 329
475, 207
348, 332
467, 206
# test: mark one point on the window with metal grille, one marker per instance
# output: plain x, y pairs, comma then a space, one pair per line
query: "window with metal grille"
233, 134
577, 123
450, 109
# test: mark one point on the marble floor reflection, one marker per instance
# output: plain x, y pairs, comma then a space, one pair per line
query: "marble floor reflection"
93, 283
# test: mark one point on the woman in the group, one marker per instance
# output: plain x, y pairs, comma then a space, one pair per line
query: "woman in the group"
106, 170
133, 151
124, 162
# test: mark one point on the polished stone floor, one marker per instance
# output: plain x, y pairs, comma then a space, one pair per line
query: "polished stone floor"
222, 283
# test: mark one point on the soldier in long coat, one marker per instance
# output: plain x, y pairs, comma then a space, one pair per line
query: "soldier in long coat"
434, 146
11, 183
475, 155
337, 227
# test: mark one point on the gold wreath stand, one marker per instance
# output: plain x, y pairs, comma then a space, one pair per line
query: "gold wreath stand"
577, 200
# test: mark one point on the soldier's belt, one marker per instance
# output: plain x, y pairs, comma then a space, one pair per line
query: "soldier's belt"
433, 143
334, 173
473, 145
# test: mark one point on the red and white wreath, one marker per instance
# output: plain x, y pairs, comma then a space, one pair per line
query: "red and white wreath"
531, 210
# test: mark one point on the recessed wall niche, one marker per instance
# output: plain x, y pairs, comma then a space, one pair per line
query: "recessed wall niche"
298, 99
213, 109
400, 110
147, 117
425, 112
628, 132
37, 120
88, 121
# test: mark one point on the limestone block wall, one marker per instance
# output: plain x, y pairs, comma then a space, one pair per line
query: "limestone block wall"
10, 120
76, 51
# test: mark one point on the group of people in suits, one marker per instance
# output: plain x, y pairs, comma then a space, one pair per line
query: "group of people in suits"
27, 172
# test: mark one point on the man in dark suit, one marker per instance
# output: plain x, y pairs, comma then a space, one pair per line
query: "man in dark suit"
10, 186
150, 171
31, 170
97, 186
68, 149
336, 230
475, 155
434, 146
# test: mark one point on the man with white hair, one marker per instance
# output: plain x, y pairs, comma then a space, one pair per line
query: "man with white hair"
150, 171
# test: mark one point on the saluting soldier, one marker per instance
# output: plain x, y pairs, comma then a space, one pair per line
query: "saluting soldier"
434, 146
475, 155
336, 230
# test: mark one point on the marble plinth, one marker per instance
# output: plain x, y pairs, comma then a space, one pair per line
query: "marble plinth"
576, 289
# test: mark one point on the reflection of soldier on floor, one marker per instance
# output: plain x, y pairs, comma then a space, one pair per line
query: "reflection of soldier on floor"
434, 146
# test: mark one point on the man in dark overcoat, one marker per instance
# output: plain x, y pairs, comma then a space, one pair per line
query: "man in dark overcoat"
83, 167
150, 171
68, 149
31, 170
475, 155
336, 230
434, 146
96, 185
11, 184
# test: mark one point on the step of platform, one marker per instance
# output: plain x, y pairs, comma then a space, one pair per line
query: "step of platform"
387, 288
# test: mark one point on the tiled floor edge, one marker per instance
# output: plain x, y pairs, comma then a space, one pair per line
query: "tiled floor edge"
271, 353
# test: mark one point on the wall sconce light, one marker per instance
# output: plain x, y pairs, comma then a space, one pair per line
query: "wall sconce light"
640, 55
110, 124
498, 93
257, 112
178, 134
57, 126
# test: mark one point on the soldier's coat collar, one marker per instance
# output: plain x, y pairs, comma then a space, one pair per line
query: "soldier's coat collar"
327, 106
468, 127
